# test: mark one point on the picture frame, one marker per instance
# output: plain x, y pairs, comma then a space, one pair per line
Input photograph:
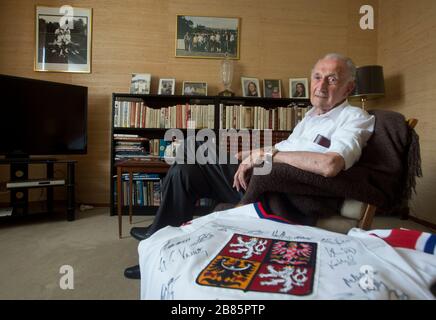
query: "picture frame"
272, 88
194, 88
140, 83
207, 37
63, 39
299, 88
167, 86
250, 87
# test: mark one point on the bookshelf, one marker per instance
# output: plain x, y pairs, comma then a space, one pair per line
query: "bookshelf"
139, 123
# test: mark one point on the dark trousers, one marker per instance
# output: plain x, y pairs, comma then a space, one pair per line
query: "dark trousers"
184, 184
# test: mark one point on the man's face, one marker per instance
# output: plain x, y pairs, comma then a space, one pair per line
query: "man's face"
330, 84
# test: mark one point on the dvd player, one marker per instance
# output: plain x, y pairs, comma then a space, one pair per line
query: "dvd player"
34, 183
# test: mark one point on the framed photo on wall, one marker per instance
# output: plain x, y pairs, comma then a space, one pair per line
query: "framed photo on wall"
194, 88
299, 88
250, 87
63, 39
167, 86
272, 88
140, 83
207, 37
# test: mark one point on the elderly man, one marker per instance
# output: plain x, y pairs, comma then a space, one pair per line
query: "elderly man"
329, 139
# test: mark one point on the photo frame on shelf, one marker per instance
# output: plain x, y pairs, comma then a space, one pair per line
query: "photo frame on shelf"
194, 88
63, 39
272, 88
207, 37
250, 87
167, 86
140, 83
299, 88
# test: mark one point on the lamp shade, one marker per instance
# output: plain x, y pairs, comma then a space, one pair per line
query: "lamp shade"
370, 83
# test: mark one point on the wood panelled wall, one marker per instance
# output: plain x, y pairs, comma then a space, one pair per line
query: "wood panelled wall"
279, 39
407, 50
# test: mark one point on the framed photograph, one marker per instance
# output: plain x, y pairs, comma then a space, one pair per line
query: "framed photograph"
167, 86
140, 83
63, 39
193, 88
299, 88
250, 87
272, 88
207, 37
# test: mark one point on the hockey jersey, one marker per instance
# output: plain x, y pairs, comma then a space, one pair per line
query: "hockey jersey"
246, 253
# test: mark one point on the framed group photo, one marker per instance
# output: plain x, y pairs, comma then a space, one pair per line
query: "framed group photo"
167, 86
272, 88
63, 39
140, 83
250, 87
299, 88
194, 88
207, 37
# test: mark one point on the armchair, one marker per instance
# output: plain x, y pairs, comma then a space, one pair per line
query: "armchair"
383, 178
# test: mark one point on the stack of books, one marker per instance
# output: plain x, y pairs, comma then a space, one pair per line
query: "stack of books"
132, 146
129, 146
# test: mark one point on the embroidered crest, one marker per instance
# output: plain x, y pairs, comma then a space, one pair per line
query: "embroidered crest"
264, 265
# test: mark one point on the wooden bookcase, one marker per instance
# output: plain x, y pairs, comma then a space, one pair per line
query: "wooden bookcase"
155, 102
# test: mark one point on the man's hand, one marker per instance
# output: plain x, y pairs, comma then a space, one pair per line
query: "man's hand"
249, 160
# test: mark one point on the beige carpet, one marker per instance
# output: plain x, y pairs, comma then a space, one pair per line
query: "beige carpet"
33, 251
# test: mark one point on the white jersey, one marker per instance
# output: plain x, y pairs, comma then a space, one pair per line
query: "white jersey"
244, 253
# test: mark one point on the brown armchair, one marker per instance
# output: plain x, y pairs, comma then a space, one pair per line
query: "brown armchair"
383, 178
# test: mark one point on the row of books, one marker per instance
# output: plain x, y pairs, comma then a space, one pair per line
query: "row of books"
135, 114
146, 189
243, 117
157, 149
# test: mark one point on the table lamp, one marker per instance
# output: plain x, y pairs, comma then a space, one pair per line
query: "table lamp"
370, 84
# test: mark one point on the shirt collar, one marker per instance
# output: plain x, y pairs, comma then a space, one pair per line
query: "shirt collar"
332, 114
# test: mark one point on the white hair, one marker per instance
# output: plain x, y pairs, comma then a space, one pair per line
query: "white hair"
348, 62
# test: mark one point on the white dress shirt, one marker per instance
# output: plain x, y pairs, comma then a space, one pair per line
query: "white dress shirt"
348, 128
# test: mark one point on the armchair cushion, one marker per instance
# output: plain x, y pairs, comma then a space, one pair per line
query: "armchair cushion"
352, 209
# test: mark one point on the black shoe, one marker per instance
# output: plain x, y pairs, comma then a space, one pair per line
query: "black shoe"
132, 272
140, 233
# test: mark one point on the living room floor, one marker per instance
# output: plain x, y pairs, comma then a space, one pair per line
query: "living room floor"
33, 251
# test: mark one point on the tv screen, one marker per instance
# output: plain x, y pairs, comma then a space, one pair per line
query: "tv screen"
42, 118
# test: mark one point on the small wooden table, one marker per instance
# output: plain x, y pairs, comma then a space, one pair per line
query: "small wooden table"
130, 167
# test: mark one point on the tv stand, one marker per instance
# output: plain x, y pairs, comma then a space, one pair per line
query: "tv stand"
20, 184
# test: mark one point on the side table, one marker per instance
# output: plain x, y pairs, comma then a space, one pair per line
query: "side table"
130, 167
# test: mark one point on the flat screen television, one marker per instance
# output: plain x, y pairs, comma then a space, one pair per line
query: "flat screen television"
42, 117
